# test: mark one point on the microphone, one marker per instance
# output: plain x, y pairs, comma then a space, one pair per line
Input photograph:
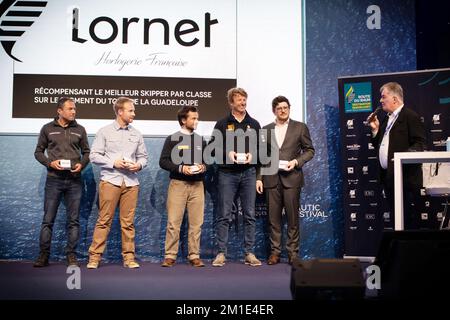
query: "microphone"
372, 115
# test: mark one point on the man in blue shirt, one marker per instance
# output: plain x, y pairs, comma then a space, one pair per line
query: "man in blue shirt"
119, 151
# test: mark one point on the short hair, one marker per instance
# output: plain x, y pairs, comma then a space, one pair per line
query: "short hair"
183, 112
394, 88
120, 103
62, 100
235, 91
278, 100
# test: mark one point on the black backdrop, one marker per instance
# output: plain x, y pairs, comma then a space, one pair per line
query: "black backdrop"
365, 212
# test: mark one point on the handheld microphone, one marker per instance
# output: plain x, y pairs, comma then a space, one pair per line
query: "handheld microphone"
372, 115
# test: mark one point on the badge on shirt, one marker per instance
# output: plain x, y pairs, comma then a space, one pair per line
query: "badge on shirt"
230, 127
183, 147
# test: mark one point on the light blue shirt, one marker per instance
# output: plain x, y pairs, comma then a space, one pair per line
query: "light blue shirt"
115, 143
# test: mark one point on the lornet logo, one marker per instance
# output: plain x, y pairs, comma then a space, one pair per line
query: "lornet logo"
184, 30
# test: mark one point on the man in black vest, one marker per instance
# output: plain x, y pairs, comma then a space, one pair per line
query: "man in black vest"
293, 142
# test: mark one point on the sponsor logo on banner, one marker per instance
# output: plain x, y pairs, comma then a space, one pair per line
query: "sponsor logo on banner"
439, 216
370, 216
353, 228
352, 159
352, 181
350, 170
373, 181
369, 193
352, 193
423, 192
386, 216
439, 143
350, 135
370, 146
373, 204
424, 216
427, 204
353, 216
370, 228
350, 124
354, 204
358, 97
436, 130
365, 169
353, 147
372, 158
437, 119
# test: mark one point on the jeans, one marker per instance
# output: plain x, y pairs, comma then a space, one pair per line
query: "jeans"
55, 188
230, 183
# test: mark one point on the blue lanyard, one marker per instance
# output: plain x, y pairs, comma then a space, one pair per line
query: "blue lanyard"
388, 128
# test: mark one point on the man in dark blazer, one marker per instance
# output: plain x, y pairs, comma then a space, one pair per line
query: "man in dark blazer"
293, 143
400, 131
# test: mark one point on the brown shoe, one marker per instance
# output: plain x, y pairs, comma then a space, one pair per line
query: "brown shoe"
168, 262
196, 263
273, 259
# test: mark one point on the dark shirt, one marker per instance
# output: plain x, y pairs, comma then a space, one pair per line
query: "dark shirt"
68, 143
189, 151
229, 125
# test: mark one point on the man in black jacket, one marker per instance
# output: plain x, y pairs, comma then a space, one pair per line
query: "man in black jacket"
400, 131
182, 156
235, 138
67, 154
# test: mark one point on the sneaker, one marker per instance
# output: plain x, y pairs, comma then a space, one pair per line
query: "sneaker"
92, 264
72, 260
41, 261
131, 264
219, 261
251, 260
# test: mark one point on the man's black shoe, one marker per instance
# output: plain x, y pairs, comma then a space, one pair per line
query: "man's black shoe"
41, 261
72, 260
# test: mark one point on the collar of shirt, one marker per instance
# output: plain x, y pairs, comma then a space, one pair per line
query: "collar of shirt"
118, 127
233, 118
282, 125
185, 131
397, 111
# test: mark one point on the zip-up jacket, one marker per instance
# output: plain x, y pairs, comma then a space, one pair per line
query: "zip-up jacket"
69, 143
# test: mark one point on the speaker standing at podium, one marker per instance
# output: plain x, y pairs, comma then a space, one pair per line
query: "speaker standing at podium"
400, 131
293, 142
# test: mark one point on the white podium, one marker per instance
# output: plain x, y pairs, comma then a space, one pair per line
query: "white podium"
410, 157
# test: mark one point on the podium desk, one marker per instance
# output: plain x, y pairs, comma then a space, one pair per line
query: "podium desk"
410, 157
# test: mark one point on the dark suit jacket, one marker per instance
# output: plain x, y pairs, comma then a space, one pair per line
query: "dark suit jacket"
296, 145
407, 134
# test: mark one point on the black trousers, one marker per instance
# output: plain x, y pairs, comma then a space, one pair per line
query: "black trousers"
289, 199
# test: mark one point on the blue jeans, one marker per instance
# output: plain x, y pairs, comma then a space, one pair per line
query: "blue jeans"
229, 185
55, 188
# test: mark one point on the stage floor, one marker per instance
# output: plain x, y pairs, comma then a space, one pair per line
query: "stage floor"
234, 281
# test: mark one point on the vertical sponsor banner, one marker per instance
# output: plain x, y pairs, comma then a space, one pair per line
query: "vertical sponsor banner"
366, 214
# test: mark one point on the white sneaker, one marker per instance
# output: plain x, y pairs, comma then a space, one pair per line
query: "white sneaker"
251, 260
219, 261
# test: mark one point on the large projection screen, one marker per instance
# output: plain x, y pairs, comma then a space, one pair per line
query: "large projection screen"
163, 54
